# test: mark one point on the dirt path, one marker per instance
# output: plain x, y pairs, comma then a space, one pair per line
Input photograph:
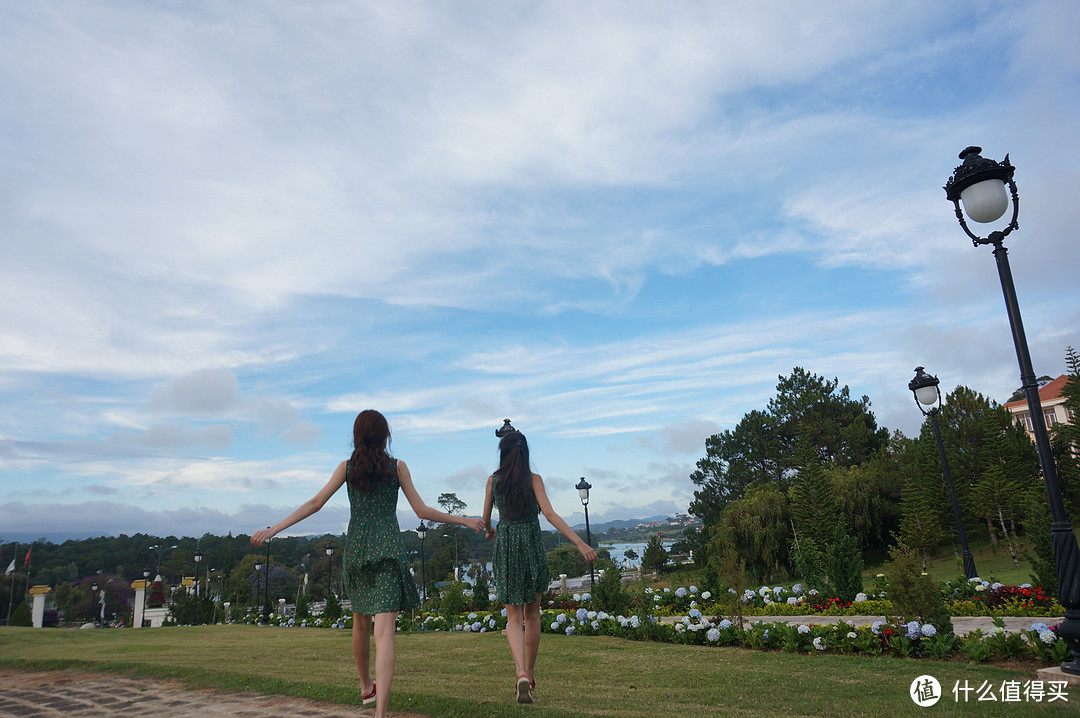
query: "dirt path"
73, 694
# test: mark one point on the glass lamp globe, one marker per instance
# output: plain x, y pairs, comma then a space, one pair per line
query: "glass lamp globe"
985, 201
927, 395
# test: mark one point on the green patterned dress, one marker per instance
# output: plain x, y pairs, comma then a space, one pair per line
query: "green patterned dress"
519, 561
377, 577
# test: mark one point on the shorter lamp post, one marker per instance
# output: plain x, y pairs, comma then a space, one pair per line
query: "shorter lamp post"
158, 550
266, 593
927, 393
146, 590
583, 487
195, 609
421, 533
93, 600
258, 584
330, 572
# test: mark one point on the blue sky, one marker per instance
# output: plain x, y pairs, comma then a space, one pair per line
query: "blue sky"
226, 228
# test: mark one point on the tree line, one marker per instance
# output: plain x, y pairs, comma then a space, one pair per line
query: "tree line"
812, 479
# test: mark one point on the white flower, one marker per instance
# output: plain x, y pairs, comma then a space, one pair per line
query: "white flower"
976, 579
1047, 636
778, 589
860, 597
577, 596
667, 590
995, 586
876, 627
491, 623
491, 596
680, 628
804, 629
591, 615
1025, 585
813, 592
980, 587
705, 596
792, 600
852, 634
602, 615
472, 616
819, 643
554, 625
596, 625
764, 590
713, 635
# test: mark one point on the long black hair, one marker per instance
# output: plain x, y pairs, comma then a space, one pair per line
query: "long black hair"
370, 464
513, 478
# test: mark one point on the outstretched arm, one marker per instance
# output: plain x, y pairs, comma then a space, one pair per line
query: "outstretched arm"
488, 500
306, 509
557, 521
426, 512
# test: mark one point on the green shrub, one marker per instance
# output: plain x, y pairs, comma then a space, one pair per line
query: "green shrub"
332, 611
914, 596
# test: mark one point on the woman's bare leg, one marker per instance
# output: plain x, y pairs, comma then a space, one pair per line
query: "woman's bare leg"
515, 638
385, 626
361, 648
532, 636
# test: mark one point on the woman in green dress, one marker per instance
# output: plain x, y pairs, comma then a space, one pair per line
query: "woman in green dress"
519, 561
377, 576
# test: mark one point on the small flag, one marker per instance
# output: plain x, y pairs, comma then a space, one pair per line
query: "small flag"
27, 561
10, 568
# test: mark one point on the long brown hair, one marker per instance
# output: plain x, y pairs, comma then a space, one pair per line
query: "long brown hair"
513, 478
371, 464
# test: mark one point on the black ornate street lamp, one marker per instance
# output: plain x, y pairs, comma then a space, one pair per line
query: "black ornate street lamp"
927, 393
421, 533
583, 487
146, 590
258, 584
94, 597
195, 610
980, 184
330, 558
266, 593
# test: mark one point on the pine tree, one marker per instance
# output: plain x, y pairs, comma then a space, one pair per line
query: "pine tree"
655, 555
923, 499
813, 507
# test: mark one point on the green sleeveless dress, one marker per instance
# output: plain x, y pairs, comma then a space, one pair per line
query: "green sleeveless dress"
376, 568
519, 561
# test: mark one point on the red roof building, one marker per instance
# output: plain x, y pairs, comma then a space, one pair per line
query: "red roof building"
1053, 407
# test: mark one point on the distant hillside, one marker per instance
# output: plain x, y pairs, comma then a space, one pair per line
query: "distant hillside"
619, 524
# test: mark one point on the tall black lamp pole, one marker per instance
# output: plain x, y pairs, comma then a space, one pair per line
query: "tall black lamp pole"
258, 584
266, 593
927, 393
195, 611
330, 559
146, 590
421, 533
980, 184
583, 487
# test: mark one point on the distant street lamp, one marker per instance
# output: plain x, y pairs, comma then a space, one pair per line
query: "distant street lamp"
258, 584
421, 532
195, 610
93, 599
980, 184
266, 593
583, 487
926, 391
330, 558
146, 590
159, 550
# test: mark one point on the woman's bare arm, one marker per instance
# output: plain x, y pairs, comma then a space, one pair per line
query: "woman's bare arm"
557, 521
306, 509
426, 512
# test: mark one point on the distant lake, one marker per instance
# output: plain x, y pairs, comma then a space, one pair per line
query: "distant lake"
618, 549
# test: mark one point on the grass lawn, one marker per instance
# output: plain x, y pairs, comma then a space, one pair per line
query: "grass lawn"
991, 563
467, 674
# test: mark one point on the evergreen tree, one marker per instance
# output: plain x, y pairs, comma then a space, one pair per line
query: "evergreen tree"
923, 499
1000, 496
813, 507
844, 565
655, 555
1066, 439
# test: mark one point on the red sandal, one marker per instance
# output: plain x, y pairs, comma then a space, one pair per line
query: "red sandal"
524, 689
369, 698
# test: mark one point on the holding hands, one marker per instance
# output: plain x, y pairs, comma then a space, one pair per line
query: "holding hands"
262, 536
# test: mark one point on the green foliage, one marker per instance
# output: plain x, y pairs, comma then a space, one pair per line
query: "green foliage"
810, 563
568, 560
22, 615
333, 607
758, 528
452, 600
655, 555
913, 594
480, 601
183, 608
1037, 526
813, 507
302, 609
609, 594
923, 501
844, 566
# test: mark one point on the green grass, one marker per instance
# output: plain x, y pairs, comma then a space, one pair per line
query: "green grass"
991, 563
466, 674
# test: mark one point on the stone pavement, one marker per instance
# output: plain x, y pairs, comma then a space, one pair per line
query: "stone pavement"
73, 694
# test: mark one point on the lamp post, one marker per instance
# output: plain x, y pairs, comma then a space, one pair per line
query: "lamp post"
421, 533
258, 586
146, 590
195, 610
927, 393
980, 184
583, 487
159, 549
266, 593
93, 598
330, 576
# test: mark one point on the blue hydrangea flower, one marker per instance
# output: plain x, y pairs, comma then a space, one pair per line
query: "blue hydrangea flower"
554, 625
581, 614
472, 616
876, 627
635, 622
860, 597
912, 629
491, 623
797, 589
476, 626
713, 635
561, 618
586, 597
695, 614
928, 630
1039, 627
725, 623
680, 592
569, 630
693, 589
